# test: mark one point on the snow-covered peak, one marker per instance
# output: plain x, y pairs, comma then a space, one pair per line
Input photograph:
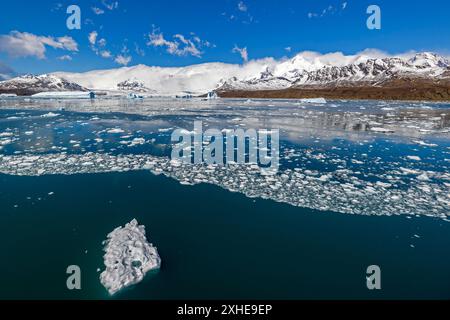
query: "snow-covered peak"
30, 84
429, 60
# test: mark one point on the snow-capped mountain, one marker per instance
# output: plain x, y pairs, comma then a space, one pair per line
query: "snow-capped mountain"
306, 69
362, 71
31, 84
134, 86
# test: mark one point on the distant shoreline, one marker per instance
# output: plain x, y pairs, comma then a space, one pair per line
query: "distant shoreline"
405, 89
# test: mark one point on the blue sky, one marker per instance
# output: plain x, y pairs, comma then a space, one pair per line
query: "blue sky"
34, 37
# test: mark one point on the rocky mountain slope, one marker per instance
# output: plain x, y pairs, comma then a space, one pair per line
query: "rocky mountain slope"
31, 84
364, 71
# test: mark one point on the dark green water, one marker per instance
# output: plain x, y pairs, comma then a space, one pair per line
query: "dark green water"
213, 243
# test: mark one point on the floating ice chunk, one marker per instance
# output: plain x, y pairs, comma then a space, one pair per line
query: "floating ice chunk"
50, 115
314, 100
64, 95
383, 184
4, 142
422, 143
115, 130
128, 257
414, 158
381, 130
423, 177
137, 141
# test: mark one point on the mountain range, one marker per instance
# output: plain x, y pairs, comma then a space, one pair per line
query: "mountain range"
417, 76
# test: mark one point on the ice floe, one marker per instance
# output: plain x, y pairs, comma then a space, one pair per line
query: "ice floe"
343, 190
128, 257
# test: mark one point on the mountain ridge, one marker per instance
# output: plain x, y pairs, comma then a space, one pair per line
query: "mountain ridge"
304, 71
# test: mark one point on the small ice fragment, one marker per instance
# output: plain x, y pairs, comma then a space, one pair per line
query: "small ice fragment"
414, 158
50, 115
116, 130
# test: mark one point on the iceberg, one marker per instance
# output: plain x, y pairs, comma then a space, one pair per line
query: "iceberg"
314, 100
128, 257
212, 95
134, 96
65, 95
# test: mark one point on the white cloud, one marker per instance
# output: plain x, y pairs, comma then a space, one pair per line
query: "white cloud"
98, 11
102, 42
138, 50
123, 60
180, 45
67, 43
242, 6
330, 10
23, 44
242, 51
105, 54
98, 45
65, 58
93, 37
110, 5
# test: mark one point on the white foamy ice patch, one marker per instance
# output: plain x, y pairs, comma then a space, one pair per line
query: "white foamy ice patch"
381, 130
115, 130
314, 100
128, 257
339, 191
50, 115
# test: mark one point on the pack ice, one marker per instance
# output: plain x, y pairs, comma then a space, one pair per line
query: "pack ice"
128, 257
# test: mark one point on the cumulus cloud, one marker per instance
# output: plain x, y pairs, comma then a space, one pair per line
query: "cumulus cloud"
122, 60
242, 51
98, 45
242, 6
23, 44
65, 58
105, 54
93, 37
179, 45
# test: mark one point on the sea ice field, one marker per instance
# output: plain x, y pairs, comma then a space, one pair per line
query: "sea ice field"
359, 181
356, 157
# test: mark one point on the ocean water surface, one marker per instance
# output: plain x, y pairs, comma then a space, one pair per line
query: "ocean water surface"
360, 183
